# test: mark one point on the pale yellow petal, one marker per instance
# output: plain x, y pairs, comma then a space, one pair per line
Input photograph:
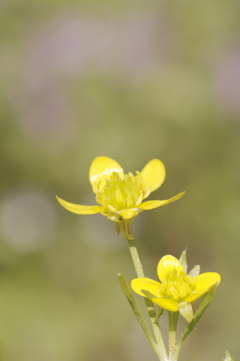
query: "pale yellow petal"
195, 271
102, 168
155, 204
153, 174
167, 264
146, 206
202, 284
146, 284
79, 209
129, 213
166, 303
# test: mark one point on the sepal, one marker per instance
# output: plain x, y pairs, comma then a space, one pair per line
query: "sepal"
227, 357
195, 271
183, 260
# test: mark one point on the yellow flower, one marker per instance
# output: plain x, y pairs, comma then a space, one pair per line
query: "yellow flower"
177, 290
121, 195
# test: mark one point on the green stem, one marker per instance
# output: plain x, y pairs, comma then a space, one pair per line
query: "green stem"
172, 329
178, 349
135, 257
150, 308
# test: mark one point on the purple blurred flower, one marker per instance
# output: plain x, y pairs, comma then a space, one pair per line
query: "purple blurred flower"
227, 80
72, 45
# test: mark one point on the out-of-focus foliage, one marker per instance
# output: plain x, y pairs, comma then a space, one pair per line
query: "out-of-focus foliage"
133, 81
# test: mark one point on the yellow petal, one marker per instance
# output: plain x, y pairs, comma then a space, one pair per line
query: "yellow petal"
167, 264
101, 169
153, 174
146, 284
150, 205
166, 303
78, 209
129, 213
202, 284
155, 204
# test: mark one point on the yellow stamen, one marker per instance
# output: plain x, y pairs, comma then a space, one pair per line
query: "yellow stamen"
176, 286
121, 193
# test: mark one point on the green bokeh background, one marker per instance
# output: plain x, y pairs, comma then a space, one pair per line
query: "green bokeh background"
133, 81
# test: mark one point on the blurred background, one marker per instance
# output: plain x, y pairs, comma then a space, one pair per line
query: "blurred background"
132, 80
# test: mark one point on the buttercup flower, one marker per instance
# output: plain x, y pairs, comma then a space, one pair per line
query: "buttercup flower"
177, 290
120, 196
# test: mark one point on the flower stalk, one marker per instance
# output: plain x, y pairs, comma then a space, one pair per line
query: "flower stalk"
150, 307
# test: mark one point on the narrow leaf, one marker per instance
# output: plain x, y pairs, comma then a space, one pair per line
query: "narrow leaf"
159, 314
137, 312
200, 311
148, 294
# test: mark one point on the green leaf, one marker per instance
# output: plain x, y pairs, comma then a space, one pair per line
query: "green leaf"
200, 311
137, 312
148, 294
228, 357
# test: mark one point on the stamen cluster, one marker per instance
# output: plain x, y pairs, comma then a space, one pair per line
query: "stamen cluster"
122, 193
176, 286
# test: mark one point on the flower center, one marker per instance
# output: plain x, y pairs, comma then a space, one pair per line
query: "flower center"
122, 193
176, 286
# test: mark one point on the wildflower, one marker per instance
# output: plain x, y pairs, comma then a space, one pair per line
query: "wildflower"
177, 290
120, 196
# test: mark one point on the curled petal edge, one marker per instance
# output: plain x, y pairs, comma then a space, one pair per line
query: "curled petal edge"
155, 204
79, 209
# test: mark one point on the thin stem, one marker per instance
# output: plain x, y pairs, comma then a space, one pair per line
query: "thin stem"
135, 257
150, 308
172, 329
177, 349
